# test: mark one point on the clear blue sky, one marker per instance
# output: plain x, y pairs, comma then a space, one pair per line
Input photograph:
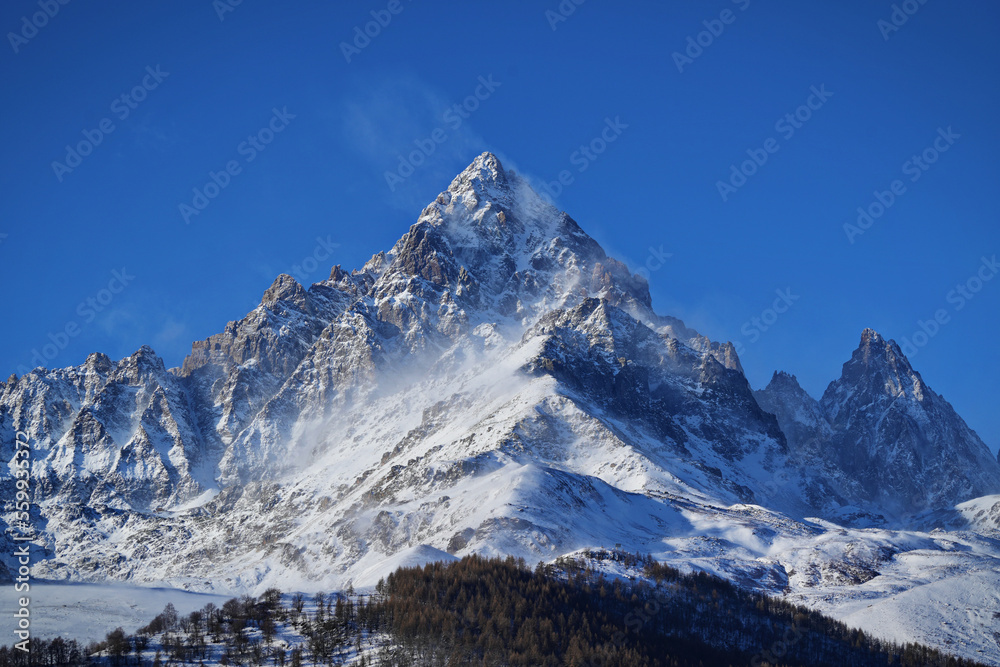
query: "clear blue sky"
323, 175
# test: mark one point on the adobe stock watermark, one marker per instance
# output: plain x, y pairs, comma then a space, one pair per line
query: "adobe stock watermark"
308, 265
22, 534
223, 7
122, 107
381, 18
696, 44
901, 13
3, 237
786, 126
958, 298
453, 117
915, 167
654, 262
250, 148
583, 157
635, 620
31, 26
779, 649
87, 311
562, 12
757, 325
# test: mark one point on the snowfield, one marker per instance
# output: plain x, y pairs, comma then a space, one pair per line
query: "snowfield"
87, 612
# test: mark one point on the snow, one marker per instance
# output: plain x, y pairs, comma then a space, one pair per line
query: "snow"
196, 502
417, 556
87, 612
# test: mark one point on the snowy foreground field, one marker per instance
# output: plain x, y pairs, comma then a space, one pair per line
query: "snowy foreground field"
395, 627
949, 600
928, 596
959, 614
87, 612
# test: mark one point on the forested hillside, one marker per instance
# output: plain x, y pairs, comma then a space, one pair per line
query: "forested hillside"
481, 611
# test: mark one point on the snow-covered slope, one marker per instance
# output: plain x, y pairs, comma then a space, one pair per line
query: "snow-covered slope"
494, 383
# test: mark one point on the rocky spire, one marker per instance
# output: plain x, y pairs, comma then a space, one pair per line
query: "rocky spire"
902, 442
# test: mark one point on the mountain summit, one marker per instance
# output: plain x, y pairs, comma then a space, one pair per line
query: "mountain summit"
883, 437
905, 445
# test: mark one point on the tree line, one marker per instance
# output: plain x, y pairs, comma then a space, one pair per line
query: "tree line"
498, 612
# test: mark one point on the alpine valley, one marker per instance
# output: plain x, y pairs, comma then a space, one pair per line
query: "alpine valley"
495, 384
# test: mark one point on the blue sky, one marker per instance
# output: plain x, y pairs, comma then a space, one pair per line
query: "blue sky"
308, 133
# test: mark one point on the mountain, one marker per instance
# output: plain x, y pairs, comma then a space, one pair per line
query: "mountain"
885, 439
799, 415
493, 384
904, 444
807, 430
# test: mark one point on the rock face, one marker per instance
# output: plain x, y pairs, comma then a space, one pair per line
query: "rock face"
883, 437
118, 435
493, 383
799, 415
904, 444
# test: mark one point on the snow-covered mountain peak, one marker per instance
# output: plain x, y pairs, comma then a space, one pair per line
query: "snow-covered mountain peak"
869, 335
98, 362
902, 443
782, 381
877, 368
285, 288
874, 350
483, 174
142, 365
488, 201
490, 249
800, 416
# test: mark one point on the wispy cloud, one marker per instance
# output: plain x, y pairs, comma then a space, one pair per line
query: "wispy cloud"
172, 334
386, 120
147, 133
